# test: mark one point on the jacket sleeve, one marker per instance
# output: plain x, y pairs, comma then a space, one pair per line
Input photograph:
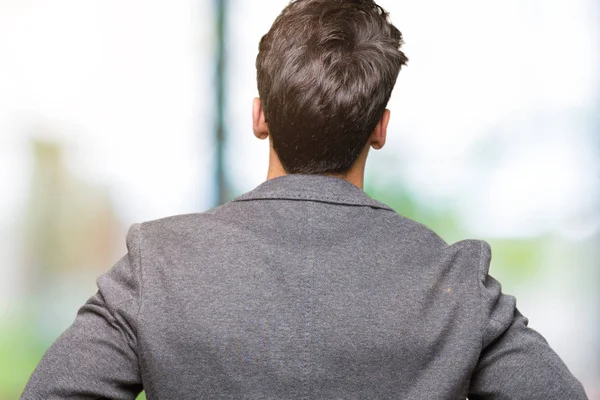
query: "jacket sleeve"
516, 362
96, 357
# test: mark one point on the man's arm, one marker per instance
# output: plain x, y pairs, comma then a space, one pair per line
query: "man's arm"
97, 356
516, 361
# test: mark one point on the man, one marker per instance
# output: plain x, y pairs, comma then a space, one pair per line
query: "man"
305, 287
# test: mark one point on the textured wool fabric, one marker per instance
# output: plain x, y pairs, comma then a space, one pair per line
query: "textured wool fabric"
304, 288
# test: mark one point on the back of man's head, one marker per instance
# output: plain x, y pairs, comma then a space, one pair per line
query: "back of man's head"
326, 70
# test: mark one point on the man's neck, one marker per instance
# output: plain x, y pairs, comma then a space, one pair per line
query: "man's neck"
355, 175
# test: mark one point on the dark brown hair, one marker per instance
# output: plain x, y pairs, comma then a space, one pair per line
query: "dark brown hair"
325, 73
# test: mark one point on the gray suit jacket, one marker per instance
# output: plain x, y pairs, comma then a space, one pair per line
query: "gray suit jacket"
304, 288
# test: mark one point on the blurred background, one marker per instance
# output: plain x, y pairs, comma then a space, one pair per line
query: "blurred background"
115, 112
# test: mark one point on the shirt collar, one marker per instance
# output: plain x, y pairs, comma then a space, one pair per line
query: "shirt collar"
321, 188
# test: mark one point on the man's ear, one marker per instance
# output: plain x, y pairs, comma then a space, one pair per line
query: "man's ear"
259, 123
377, 139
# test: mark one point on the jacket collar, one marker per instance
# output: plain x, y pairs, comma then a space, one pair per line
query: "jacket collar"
321, 188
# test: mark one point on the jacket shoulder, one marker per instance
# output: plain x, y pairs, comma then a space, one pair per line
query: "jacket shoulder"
410, 231
177, 229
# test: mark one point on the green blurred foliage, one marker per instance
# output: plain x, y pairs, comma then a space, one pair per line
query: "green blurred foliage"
20, 351
517, 259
